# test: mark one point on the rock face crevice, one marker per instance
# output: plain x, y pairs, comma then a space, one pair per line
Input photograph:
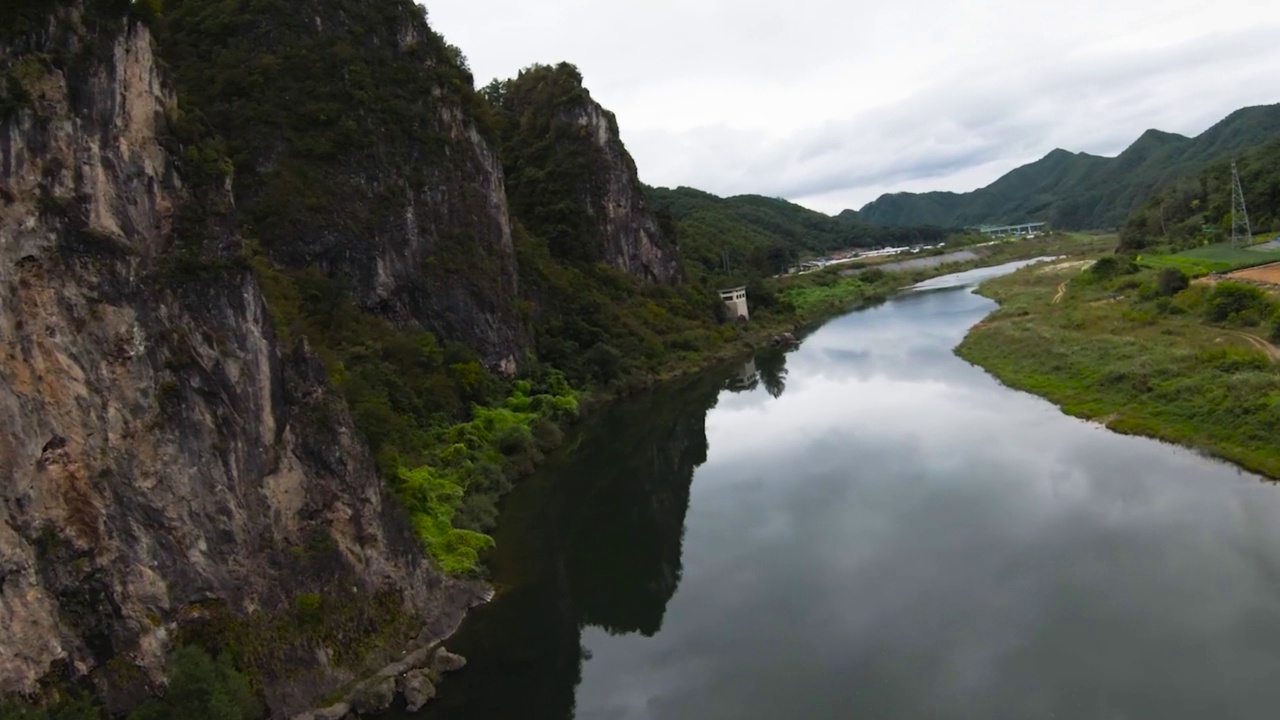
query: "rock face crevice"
632, 240
162, 452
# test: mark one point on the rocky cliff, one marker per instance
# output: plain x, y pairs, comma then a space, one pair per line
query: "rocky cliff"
353, 131
213, 220
164, 459
624, 222
570, 178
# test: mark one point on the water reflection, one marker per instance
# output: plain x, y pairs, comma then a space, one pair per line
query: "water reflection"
773, 371
768, 368
745, 379
591, 541
877, 529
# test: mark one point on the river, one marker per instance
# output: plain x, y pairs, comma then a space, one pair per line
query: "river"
870, 527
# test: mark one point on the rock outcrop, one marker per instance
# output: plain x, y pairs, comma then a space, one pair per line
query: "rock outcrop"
560, 143
418, 689
413, 676
163, 458
628, 228
358, 151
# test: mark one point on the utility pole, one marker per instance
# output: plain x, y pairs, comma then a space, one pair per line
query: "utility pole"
1240, 229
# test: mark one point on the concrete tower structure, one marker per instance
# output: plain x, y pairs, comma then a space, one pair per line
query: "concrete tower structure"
736, 300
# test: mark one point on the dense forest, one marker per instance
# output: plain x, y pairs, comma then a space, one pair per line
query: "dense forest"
1078, 191
1196, 209
760, 236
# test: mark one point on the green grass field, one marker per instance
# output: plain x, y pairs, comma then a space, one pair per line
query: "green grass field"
1151, 367
1222, 257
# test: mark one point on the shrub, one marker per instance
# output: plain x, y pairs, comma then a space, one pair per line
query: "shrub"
605, 363
201, 688
1112, 266
761, 295
1239, 303
1172, 281
1191, 300
453, 497
308, 602
514, 441
1230, 360
75, 707
477, 514
547, 434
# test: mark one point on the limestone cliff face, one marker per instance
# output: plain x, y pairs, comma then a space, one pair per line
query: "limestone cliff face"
357, 150
559, 143
632, 238
162, 458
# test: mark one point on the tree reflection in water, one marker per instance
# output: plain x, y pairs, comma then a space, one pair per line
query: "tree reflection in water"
594, 539
772, 365
769, 368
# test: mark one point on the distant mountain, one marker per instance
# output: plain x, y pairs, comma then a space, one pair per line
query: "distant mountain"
1196, 209
1082, 191
761, 235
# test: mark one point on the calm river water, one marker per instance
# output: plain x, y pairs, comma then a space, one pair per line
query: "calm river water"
869, 527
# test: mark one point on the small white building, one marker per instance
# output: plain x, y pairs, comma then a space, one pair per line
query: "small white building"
736, 300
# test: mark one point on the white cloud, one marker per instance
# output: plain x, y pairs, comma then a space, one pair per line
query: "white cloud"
833, 103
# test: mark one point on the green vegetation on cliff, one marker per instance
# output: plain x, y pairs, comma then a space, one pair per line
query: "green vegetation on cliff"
312, 117
1082, 191
604, 329
199, 688
449, 436
548, 161
1143, 351
322, 192
202, 688
78, 707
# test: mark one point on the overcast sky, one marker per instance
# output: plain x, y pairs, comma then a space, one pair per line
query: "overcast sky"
831, 103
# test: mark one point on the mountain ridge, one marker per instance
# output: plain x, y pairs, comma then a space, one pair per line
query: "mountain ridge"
1077, 190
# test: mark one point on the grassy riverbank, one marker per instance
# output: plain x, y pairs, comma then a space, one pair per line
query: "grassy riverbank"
1142, 352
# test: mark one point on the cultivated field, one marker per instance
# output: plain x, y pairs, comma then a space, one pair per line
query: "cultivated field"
1269, 274
1222, 257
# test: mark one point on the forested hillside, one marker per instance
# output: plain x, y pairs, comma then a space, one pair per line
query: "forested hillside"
1197, 209
1076, 191
761, 236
